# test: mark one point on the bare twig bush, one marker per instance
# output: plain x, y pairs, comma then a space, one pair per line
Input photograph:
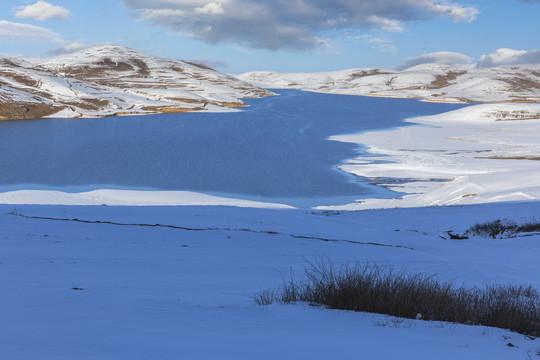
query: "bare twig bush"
371, 288
502, 228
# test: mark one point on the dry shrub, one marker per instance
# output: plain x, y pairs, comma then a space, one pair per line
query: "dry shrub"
502, 228
371, 288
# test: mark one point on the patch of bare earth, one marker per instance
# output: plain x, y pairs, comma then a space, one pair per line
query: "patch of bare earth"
501, 157
442, 81
18, 111
521, 84
364, 73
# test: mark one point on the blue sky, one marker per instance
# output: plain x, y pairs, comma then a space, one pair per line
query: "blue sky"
281, 35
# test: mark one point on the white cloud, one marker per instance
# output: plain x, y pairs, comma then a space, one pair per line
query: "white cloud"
41, 11
297, 24
388, 48
160, 14
210, 8
381, 44
456, 13
17, 32
502, 57
385, 24
442, 57
76, 45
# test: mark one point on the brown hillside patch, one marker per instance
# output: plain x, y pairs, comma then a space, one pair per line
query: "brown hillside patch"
520, 84
25, 80
200, 66
11, 111
501, 157
444, 80
361, 74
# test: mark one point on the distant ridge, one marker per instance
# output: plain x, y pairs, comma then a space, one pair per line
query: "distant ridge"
433, 82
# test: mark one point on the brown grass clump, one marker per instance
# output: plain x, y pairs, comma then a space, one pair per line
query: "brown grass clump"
371, 288
502, 228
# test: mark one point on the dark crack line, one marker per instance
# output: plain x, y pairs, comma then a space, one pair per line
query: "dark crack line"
217, 229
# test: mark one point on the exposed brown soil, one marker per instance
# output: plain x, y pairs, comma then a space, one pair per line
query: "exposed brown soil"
361, 74
200, 66
500, 157
444, 80
142, 68
20, 78
519, 84
11, 111
108, 64
170, 110
8, 62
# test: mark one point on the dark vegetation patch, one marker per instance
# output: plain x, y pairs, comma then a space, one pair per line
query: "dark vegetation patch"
371, 288
502, 228
115, 65
199, 65
364, 73
522, 84
442, 81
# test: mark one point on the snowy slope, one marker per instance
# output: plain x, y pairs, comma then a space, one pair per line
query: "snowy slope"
477, 154
110, 80
74, 289
434, 82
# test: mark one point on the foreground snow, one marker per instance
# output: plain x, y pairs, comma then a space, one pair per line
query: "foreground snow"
181, 289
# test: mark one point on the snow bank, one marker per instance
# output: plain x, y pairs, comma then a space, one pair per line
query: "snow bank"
482, 153
126, 197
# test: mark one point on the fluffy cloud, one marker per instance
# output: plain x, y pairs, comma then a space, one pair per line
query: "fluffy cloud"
15, 32
442, 57
298, 24
42, 10
509, 57
69, 48
383, 45
214, 64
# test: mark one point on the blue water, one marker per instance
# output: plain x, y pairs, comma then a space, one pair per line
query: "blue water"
274, 150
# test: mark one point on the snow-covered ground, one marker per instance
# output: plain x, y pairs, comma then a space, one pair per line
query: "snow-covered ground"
132, 289
126, 197
478, 154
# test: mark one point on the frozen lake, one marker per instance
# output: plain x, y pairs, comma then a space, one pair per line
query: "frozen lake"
274, 150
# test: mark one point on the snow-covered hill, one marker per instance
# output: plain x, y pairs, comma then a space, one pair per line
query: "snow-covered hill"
434, 82
111, 80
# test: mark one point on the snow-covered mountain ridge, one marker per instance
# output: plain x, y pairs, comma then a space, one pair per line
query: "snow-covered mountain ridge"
109, 80
433, 82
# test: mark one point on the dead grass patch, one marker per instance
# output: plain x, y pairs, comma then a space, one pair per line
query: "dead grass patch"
371, 288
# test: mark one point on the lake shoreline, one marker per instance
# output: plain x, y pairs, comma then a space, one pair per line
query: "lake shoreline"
276, 150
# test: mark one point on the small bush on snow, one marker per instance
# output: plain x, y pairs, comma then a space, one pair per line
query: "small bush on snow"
371, 288
502, 228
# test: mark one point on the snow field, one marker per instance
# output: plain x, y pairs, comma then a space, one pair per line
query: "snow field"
478, 154
98, 290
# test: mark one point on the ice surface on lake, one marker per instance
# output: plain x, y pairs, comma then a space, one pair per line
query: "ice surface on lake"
276, 149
